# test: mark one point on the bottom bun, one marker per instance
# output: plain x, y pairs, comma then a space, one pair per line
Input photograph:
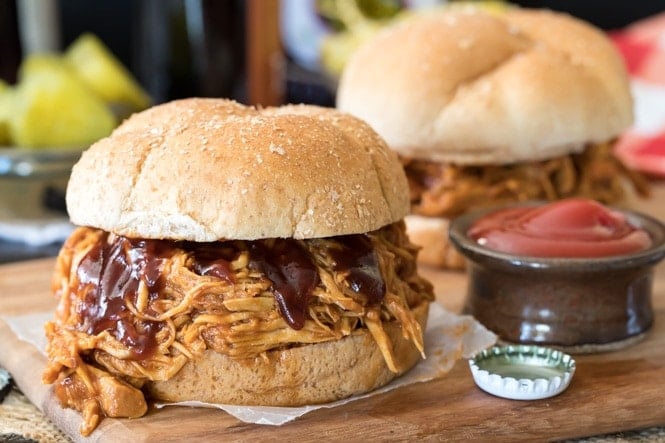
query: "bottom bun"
431, 235
307, 374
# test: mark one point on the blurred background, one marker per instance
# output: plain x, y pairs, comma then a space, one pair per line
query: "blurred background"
135, 53
180, 48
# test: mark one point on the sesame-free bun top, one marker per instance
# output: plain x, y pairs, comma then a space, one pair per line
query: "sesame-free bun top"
212, 169
476, 87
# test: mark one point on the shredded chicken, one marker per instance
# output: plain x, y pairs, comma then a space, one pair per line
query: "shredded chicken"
98, 374
448, 190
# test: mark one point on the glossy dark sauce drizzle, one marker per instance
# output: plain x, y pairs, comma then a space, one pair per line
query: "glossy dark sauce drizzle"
292, 273
212, 259
110, 274
113, 272
359, 260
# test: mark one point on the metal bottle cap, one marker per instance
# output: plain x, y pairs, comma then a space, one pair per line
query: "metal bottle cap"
522, 372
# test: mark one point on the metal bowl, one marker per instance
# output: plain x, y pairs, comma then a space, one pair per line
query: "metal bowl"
33, 181
37, 163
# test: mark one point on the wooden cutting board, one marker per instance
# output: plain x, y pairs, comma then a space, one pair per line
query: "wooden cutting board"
610, 392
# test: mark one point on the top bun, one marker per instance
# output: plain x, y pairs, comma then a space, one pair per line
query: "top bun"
474, 87
212, 169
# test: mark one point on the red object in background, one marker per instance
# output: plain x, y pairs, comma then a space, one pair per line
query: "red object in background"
642, 45
643, 48
634, 51
643, 153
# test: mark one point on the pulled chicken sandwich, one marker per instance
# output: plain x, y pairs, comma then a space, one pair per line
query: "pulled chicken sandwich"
493, 107
234, 255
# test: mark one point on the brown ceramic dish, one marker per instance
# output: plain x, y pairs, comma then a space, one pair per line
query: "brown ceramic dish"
577, 304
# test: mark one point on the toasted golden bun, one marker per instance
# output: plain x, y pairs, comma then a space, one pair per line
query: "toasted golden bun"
309, 374
210, 169
474, 87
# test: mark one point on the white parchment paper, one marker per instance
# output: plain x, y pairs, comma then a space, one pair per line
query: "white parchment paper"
448, 338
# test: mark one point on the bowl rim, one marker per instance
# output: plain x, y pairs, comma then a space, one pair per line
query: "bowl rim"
18, 162
476, 252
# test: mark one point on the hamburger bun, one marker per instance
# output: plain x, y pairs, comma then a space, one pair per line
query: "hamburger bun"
311, 374
207, 169
473, 87
431, 234
235, 255
469, 87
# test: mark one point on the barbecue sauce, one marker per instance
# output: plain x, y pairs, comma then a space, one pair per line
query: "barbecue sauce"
357, 258
292, 273
110, 273
213, 259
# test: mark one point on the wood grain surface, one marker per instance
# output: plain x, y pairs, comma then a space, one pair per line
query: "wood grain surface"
610, 392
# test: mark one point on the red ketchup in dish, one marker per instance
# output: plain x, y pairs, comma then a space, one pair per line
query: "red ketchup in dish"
567, 228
